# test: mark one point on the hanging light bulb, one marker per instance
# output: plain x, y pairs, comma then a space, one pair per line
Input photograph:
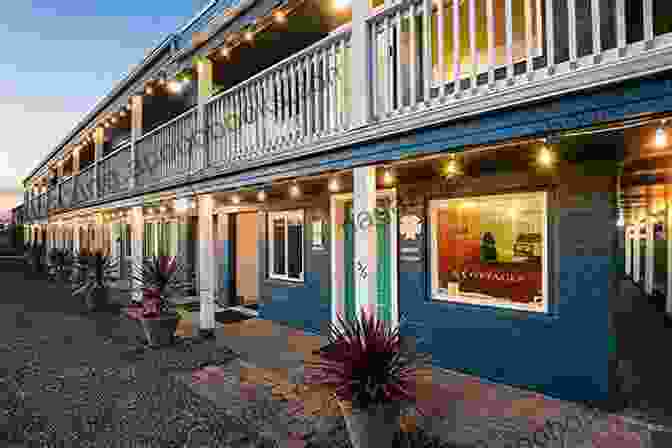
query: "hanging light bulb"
261, 196
334, 185
175, 86
235, 199
107, 125
225, 51
388, 178
279, 17
249, 35
545, 157
294, 190
122, 113
661, 136
149, 90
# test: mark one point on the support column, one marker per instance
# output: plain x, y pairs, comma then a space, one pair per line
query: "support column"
365, 263
628, 251
648, 273
136, 133
200, 153
137, 224
99, 141
206, 263
636, 253
668, 238
359, 65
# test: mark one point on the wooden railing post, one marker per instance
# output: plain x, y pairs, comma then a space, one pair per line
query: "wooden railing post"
360, 65
136, 133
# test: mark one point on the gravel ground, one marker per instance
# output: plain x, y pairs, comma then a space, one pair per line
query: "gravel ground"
78, 380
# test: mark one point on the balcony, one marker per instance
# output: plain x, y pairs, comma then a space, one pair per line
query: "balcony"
445, 58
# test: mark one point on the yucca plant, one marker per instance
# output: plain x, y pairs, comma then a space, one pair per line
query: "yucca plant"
373, 375
95, 273
157, 277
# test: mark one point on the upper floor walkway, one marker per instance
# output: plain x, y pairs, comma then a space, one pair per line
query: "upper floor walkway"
262, 95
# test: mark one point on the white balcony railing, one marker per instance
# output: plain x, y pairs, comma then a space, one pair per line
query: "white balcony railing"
422, 55
166, 151
115, 171
299, 100
85, 183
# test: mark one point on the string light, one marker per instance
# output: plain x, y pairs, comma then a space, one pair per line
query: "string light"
661, 136
294, 190
279, 17
114, 119
334, 185
162, 209
235, 199
261, 196
225, 51
149, 90
249, 35
545, 157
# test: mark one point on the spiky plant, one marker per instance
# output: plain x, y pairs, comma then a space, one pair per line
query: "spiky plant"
157, 277
95, 274
367, 363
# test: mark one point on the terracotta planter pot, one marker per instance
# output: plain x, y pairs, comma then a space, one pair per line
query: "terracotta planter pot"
160, 330
371, 427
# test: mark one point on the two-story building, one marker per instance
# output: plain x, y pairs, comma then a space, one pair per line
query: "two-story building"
461, 163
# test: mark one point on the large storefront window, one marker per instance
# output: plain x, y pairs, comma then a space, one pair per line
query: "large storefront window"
286, 245
491, 250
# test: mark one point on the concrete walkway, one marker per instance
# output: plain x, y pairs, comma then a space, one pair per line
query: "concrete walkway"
462, 410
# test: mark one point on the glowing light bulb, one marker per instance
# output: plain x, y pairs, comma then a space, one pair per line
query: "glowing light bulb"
225, 51
249, 36
261, 196
334, 185
175, 86
162, 209
294, 191
235, 199
149, 90
545, 157
279, 17
661, 137
388, 179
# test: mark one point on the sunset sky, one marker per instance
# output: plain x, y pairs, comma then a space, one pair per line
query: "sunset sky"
58, 59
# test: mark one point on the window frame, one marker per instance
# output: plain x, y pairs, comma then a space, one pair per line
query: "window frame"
270, 240
437, 296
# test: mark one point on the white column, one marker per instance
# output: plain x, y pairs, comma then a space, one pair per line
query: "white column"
361, 82
648, 274
628, 251
206, 261
365, 265
635, 253
137, 223
668, 237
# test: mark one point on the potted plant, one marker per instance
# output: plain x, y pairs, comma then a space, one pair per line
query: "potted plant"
373, 375
93, 280
158, 277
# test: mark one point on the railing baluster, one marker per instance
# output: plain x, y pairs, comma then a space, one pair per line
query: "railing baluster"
441, 28
293, 105
596, 22
413, 61
286, 104
397, 62
324, 90
472, 45
508, 12
620, 27
315, 95
337, 75
456, 50
571, 25
309, 105
529, 38
648, 23
492, 57
260, 117
389, 66
427, 51
270, 116
550, 35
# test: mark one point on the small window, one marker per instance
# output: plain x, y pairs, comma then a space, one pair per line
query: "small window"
286, 245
